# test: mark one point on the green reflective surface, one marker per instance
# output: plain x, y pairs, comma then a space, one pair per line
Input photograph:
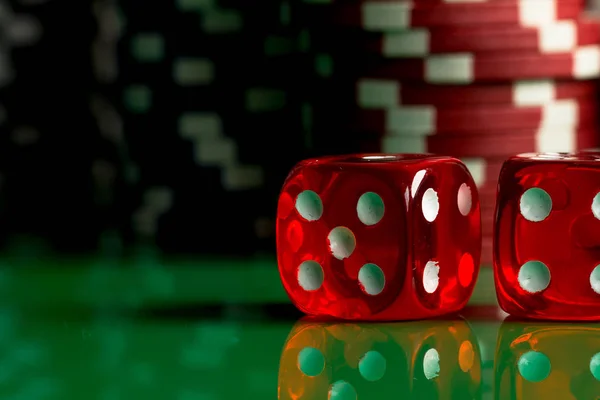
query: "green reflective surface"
111, 329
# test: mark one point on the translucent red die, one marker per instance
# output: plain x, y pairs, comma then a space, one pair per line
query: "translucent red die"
547, 236
379, 237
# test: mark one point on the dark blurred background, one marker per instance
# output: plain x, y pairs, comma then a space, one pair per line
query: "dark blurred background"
169, 124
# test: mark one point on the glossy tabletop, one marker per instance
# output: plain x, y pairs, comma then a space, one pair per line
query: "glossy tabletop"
108, 329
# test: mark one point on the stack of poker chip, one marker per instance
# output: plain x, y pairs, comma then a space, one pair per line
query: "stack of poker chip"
205, 102
476, 80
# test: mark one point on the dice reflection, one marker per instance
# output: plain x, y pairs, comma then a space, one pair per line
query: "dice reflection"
408, 360
547, 361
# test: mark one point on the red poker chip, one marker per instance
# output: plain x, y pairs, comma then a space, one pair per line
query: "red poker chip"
488, 192
429, 3
394, 15
488, 212
556, 37
430, 120
487, 252
488, 205
419, 3
493, 168
487, 225
381, 93
485, 171
488, 202
498, 145
561, 36
464, 68
487, 198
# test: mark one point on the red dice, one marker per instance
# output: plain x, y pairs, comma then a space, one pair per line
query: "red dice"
547, 236
379, 237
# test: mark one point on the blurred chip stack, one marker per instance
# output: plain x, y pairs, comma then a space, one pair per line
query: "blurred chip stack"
477, 80
208, 119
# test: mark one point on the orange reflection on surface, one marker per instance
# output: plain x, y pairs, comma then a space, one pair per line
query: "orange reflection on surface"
424, 359
547, 361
